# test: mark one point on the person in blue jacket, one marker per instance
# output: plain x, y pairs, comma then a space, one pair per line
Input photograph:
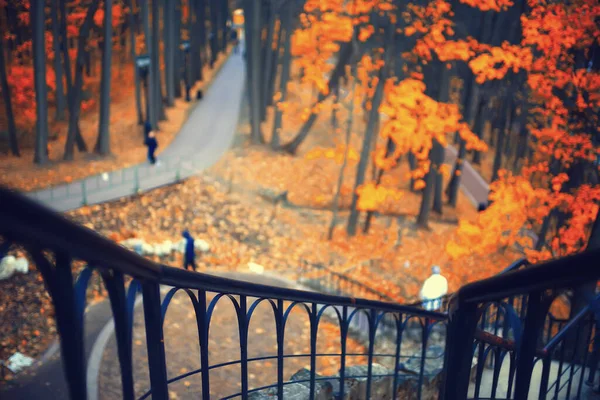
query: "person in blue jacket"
189, 256
152, 145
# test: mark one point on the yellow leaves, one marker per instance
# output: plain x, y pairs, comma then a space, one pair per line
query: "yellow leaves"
419, 184
371, 196
409, 31
489, 5
366, 33
336, 154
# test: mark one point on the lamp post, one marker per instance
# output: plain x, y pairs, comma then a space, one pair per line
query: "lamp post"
142, 63
185, 48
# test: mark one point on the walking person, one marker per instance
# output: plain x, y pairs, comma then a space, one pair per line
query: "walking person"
234, 39
152, 144
189, 256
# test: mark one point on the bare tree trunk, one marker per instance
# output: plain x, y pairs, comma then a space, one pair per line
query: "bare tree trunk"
428, 192
438, 149
169, 50
103, 141
268, 60
10, 116
76, 92
155, 54
285, 75
152, 115
370, 131
60, 92
335, 204
41, 90
138, 95
255, 60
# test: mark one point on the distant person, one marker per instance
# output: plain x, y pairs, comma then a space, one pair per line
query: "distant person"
152, 145
147, 129
235, 41
189, 256
212, 40
434, 288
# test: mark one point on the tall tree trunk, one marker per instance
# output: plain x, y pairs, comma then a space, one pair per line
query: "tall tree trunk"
365, 153
389, 149
77, 87
428, 191
437, 206
136, 75
345, 54
273, 68
179, 59
336, 198
412, 163
158, 95
443, 97
214, 30
286, 63
41, 89
268, 61
505, 112
6, 95
224, 19
151, 108
60, 92
201, 23
64, 46
255, 77
169, 50
469, 103
103, 141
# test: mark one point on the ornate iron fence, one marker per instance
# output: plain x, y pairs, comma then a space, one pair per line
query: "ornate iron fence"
528, 352
57, 245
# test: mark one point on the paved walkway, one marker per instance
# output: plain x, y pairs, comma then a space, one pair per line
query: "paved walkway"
205, 136
471, 183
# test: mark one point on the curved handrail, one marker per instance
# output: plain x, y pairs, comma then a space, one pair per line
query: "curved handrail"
32, 223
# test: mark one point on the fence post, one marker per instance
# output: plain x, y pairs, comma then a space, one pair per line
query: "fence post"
84, 200
534, 317
458, 356
136, 180
155, 340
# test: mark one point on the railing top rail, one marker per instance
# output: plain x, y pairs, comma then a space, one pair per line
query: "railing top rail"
36, 225
555, 274
194, 280
33, 224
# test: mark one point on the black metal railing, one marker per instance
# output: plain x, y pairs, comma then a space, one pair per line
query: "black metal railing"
57, 246
529, 353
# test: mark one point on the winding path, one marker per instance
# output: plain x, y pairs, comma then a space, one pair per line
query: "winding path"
204, 137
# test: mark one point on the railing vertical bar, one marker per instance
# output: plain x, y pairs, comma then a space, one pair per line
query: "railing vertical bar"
243, 322
372, 329
399, 332
480, 365
424, 340
155, 340
546, 363
585, 359
527, 347
115, 285
498, 361
561, 360
511, 375
575, 351
313, 349
343, 339
280, 343
203, 337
